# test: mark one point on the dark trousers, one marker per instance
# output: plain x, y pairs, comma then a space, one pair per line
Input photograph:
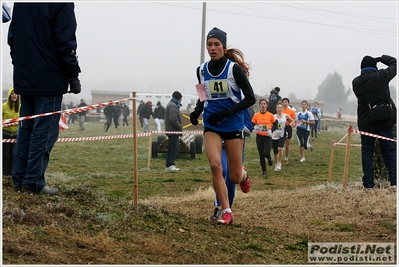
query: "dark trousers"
108, 123
173, 149
264, 144
313, 128
116, 121
82, 119
35, 141
388, 151
125, 120
141, 121
278, 143
303, 137
8, 155
71, 119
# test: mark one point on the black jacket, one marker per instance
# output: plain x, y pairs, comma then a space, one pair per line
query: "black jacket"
82, 104
376, 85
125, 110
118, 110
274, 98
159, 113
43, 46
109, 111
146, 112
140, 108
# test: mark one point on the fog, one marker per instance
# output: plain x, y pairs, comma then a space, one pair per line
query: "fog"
156, 46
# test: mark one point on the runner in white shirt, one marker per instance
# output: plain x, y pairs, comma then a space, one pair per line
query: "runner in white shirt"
279, 136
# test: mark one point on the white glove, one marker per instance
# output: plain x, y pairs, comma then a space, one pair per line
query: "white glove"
269, 132
256, 128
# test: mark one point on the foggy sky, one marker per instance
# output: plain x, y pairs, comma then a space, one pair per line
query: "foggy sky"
156, 46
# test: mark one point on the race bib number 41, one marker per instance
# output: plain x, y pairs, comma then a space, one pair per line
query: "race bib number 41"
218, 88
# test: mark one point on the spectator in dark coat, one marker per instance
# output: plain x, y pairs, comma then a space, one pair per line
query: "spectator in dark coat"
117, 114
159, 116
82, 115
72, 116
274, 98
109, 113
43, 47
125, 113
146, 113
139, 109
372, 87
173, 123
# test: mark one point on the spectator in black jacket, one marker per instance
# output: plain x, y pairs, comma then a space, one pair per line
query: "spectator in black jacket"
109, 113
118, 112
372, 87
43, 46
159, 116
125, 113
274, 98
82, 115
139, 109
72, 116
146, 113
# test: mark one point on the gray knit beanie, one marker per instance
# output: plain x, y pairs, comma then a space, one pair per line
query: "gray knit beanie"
219, 34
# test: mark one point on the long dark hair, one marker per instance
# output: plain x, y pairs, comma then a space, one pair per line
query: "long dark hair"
13, 104
237, 56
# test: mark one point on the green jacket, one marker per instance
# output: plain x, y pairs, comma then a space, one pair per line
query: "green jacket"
9, 111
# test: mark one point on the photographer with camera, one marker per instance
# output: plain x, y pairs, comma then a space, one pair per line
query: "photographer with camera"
371, 88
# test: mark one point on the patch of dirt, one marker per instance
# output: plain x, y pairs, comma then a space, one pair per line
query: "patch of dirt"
270, 227
320, 213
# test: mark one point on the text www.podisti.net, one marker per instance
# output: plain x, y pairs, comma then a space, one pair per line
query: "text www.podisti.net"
379, 253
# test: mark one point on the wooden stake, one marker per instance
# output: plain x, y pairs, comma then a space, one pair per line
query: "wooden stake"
347, 153
331, 162
135, 160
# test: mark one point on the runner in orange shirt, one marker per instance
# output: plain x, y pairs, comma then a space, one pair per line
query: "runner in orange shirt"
263, 123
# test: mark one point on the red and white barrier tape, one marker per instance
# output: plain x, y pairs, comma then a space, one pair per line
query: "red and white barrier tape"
341, 139
362, 133
122, 136
344, 144
169, 132
8, 122
373, 135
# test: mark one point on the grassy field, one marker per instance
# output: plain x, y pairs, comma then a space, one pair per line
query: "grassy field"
93, 220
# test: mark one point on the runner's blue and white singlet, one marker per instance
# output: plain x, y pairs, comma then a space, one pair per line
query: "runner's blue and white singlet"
307, 116
221, 93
